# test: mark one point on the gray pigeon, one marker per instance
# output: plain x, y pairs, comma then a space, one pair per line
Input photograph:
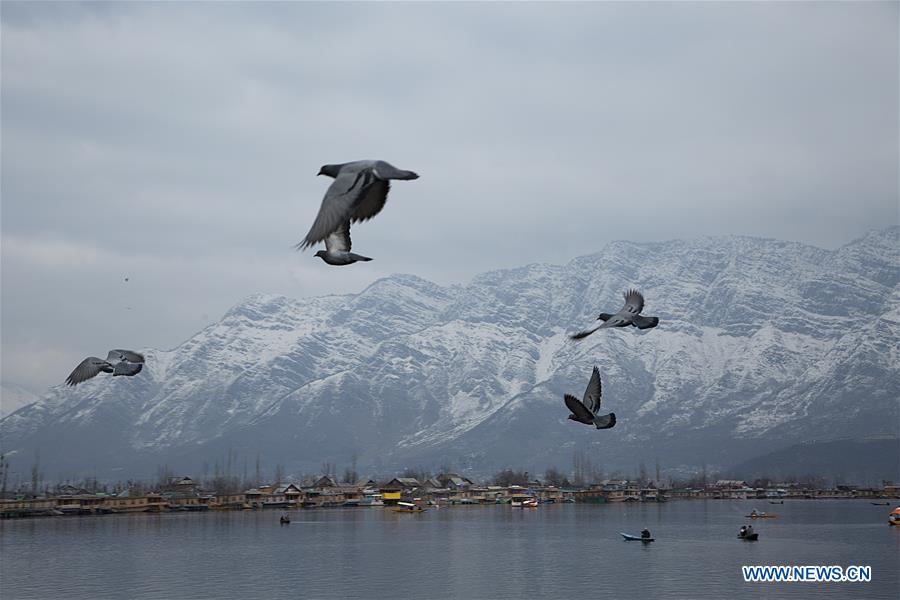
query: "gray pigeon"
337, 248
118, 362
630, 314
585, 411
358, 192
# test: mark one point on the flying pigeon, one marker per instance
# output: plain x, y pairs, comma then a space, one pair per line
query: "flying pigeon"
630, 314
585, 411
358, 192
118, 362
337, 248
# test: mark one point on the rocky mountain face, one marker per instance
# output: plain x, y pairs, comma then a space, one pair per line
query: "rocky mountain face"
761, 344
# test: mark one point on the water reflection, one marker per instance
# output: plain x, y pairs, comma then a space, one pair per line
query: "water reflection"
465, 552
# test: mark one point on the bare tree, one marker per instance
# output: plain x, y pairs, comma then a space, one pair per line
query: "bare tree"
552, 476
584, 470
4, 474
163, 476
420, 474
36, 473
578, 467
350, 474
508, 477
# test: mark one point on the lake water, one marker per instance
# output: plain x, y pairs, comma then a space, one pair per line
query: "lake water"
555, 551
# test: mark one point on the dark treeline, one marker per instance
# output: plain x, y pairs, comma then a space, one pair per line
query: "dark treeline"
232, 475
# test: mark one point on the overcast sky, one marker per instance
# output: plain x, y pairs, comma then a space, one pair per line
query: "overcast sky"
178, 144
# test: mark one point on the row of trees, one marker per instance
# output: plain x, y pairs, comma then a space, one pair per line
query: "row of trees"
230, 476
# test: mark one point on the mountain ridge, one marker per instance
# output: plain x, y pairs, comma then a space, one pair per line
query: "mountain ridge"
760, 342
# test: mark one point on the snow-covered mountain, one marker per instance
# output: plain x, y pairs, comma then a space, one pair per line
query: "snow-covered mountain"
761, 344
13, 397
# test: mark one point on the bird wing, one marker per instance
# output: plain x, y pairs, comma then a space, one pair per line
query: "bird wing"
338, 204
88, 368
127, 368
372, 200
584, 333
613, 321
593, 392
339, 240
128, 355
578, 409
634, 303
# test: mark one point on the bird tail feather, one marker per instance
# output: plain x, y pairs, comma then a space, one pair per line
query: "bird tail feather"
644, 322
359, 257
606, 421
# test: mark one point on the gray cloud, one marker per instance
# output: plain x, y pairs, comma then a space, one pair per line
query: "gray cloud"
178, 143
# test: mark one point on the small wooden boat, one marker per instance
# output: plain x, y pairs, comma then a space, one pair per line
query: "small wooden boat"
880, 503
760, 515
749, 538
523, 501
407, 507
774, 502
285, 520
635, 538
894, 517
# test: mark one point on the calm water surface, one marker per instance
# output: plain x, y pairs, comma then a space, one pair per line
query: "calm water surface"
555, 551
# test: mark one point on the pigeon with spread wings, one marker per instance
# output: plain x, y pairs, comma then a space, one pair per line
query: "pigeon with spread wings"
585, 411
118, 362
337, 248
358, 193
630, 314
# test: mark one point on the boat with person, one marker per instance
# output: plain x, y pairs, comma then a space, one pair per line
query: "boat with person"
285, 519
755, 514
407, 507
523, 501
894, 517
636, 538
747, 534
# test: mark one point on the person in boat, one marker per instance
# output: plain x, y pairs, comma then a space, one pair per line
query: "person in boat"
753, 513
645, 534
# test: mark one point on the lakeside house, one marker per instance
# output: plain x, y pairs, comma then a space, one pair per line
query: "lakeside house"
185, 493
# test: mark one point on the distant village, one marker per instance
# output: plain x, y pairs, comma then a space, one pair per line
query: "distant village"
446, 489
